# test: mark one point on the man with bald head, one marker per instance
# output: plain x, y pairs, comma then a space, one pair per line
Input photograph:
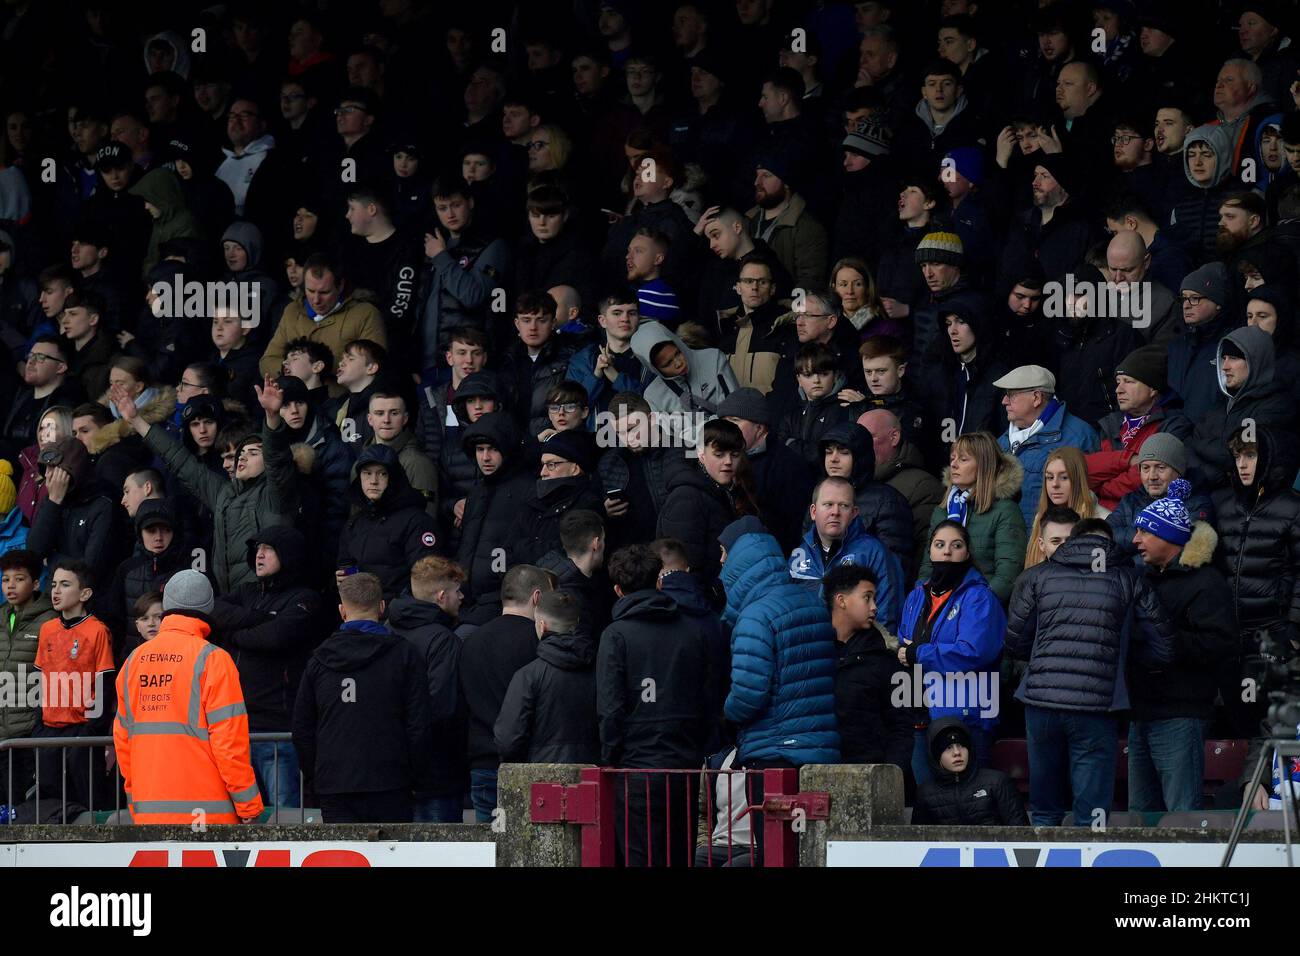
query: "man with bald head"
899, 464
568, 304
1152, 309
1080, 97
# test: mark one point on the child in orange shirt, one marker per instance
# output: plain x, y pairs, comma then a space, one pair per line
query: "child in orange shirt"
75, 656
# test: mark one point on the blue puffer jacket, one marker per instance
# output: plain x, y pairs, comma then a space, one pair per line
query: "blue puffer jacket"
1061, 428
808, 567
965, 639
782, 659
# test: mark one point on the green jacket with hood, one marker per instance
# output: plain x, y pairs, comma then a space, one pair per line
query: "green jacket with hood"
19, 636
161, 188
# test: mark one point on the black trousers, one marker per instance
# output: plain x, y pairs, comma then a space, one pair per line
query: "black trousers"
87, 782
381, 806
656, 816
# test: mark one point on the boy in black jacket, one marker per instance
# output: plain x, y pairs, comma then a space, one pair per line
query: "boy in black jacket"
872, 729
361, 723
549, 714
962, 793
426, 617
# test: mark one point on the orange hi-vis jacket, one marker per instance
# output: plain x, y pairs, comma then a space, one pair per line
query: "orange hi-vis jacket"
181, 732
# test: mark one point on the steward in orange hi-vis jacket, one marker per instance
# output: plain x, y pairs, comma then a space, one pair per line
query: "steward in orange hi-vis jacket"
181, 732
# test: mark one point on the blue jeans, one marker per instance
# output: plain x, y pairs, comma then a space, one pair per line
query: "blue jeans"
483, 794
437, 810
264, 756
1069, 753
982, 739
1166, 763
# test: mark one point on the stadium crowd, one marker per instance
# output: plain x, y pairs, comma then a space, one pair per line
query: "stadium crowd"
654, 385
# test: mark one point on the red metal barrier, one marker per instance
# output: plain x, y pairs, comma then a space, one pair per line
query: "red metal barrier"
668, 804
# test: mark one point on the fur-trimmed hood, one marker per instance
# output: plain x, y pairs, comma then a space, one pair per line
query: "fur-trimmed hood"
155, 411
1010, 475
1199, 549
304, 457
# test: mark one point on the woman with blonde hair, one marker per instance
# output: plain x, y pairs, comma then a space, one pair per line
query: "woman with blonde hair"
1065, 484
852, 281
55, 424
982, 483
549, 149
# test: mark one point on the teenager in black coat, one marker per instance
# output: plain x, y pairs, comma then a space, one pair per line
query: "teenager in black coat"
963, 793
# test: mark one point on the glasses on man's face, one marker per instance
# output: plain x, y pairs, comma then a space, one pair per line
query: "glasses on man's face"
754, 282
41, 357
348, 110
1123, 139
813, 315
1192, 301
553, 465
184, 384
568, 408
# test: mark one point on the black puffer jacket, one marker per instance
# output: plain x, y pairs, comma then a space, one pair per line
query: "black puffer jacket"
143, 573
270, 626
977, 796
1262, 400
884, 512
1077, 617
652, 640
528, 380
697, 510
429, 629
549, 714
1259, 539
491, 522
872, 729
538, 526
1198, 602
387, 536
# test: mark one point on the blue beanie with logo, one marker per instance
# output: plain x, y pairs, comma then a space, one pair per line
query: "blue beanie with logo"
1167, 517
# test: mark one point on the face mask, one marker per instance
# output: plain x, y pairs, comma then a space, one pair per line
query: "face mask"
946, 575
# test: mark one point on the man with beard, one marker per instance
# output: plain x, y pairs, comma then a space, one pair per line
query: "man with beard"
1132, 153
1241, 227
1056, 232
780, 218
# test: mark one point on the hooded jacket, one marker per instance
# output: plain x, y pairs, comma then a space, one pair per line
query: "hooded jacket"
782, 659
249, 237
1194, 219
143, 573
549, 713
270, 625
387, 536
872, 729
180, 51
1275, 291
997, 539
161, 188
978, 796
240, 508
1205, 637
709, 378
1080, 628
489, 658
82, 526
1262, 400
1259, 539
379, 736
489, 526
429, 629
695, 512
650, 639
810, 563
972, 401
456, 469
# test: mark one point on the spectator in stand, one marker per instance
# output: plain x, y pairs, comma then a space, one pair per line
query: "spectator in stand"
90, 349
1065, 485
651, 644
47, 384
1079, 619
25, 610
604, 369
361, 364
566, 481
466, 354
961, 791
782, 661
780, 217
387, 417
982, 483
1194, 354
269, 625
1172, 706
361, 722
819, 407
899, 465
77, 517
872, 729
549, 711
160, 553
1258, 519
1038, 422
686, 380
426, 617
952, 625
489, 659
1162, 460
636, 466
578, 565
326, 313
1146, 408
535, 361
